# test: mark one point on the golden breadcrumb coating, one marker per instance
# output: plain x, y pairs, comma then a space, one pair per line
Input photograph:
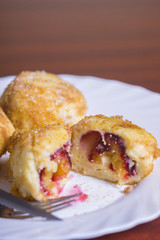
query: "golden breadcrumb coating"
6, 130
39, 161
113, 149
36, 99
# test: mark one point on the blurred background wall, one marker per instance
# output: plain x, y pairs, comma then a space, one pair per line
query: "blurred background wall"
116, 39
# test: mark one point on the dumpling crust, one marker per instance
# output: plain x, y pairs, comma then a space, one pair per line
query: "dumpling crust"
36, 99
6, 130
113, 149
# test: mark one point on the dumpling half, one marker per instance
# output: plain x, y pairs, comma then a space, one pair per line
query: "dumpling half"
40, 161
112, 149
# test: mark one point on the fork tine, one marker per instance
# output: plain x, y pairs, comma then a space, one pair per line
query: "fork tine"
57, 208
57, 200
51, 207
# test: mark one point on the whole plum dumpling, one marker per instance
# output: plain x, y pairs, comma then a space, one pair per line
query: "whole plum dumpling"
36, 99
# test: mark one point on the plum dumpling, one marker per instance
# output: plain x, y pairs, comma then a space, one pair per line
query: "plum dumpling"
40, 161
112, 149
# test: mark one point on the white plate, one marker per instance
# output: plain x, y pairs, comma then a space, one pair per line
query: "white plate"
107, 209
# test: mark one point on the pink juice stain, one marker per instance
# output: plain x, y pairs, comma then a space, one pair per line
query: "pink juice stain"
77, 189
71, 176
59, 189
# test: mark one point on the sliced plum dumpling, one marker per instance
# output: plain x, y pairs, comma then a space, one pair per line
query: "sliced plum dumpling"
40, 161
113, 149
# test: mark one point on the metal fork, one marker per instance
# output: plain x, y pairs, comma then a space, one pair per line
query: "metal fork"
50, 206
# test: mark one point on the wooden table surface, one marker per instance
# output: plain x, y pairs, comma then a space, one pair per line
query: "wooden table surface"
114, 39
